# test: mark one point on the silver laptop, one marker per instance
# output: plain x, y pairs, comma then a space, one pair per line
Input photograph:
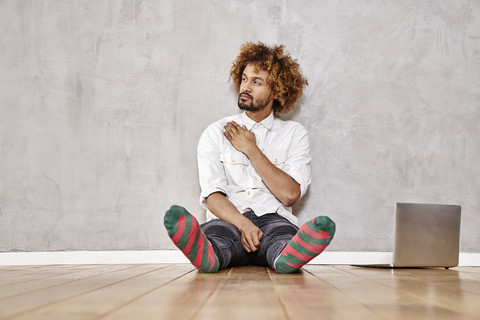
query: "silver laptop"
426, 235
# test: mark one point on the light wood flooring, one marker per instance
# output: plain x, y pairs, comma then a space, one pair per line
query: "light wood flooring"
168, 291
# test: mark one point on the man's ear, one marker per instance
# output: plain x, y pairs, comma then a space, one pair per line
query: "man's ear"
274, 95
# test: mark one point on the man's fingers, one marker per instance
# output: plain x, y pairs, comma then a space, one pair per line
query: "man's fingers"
259, 237
230, 130
251, 243
246, 246
255, 241
233, 126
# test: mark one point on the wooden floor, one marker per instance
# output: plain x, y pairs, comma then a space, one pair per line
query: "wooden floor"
163, 291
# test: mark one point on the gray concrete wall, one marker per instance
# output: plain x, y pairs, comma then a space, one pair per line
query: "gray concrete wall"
102, 104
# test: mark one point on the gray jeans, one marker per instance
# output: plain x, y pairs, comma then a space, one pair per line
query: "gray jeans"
226, 240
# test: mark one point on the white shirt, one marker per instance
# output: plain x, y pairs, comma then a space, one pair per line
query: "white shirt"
222, 168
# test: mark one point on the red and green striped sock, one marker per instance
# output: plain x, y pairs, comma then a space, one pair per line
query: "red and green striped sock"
186, 234
312, 238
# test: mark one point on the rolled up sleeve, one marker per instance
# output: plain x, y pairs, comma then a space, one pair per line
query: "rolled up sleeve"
211, 172
298, 162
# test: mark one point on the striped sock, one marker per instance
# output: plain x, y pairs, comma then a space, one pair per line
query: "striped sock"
185, 232
312, 238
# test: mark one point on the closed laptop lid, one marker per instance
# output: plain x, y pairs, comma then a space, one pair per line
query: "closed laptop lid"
426, 235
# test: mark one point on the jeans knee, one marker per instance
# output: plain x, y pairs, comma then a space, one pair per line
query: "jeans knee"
220, 228
280, 230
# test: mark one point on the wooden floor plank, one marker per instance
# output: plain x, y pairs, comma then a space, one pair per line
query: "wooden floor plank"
20, 275
107, 299
35, 275
34, 268
453, 281
438, 287
54, 278
246, 293
469, 273
88, 281
307, 297
7, 278
11, 269
179, 299
384, 300
30, 267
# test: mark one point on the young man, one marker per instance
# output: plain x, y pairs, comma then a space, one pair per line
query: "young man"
253, 168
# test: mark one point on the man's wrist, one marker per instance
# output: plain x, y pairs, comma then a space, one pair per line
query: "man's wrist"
242, 223
251, 151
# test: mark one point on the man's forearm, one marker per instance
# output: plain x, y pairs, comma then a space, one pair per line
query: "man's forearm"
220, 206
223, 209
283, 186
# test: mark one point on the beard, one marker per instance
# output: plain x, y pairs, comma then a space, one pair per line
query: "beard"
251, 105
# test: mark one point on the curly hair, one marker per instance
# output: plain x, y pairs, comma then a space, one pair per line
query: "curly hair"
284, 77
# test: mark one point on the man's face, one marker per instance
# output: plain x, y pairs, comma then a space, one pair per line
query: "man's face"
255, 93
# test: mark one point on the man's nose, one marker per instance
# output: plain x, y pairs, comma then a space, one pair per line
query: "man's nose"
246, 87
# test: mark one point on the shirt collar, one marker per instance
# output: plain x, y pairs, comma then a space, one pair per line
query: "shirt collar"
266, 123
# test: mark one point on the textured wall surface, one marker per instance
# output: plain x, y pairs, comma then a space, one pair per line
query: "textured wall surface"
102, 104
